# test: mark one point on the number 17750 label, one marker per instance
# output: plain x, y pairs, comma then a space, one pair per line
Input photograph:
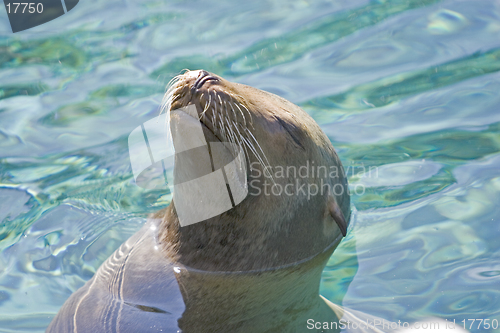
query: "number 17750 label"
32, 7
25, 15
484, 324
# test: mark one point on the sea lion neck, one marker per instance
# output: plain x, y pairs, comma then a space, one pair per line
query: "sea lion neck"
243, 239
253, 301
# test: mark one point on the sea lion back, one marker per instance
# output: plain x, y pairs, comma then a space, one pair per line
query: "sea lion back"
135, 290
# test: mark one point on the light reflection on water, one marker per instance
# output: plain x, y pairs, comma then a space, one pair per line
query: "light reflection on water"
408, 87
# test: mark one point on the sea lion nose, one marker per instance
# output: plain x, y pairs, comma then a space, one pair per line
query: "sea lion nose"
203, 73
203, 77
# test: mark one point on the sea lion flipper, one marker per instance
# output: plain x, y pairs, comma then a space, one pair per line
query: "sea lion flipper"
337, 214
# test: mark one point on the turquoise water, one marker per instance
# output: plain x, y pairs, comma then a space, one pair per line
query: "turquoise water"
406, 90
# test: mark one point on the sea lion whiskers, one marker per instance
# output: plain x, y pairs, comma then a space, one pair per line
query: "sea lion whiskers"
221, 126
265, 164
220, 111
220, 100
242, 147
233, 101
227, 125
229, 129
214, 114
227, 114
237, 141
256, 154
207, 105
243, 116
233, 112
230, 135
168, 97
228, 106
204, 110
257, 143
203, 113
223, 129
249, 114
222, 116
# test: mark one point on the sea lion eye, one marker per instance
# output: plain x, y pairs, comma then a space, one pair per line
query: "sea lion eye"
292, 130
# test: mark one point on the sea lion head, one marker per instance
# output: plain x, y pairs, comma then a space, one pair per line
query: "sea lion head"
298, 202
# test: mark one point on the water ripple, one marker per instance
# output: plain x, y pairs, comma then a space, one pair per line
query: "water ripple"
407, 90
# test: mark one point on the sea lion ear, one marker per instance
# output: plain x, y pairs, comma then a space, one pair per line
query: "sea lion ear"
336, 214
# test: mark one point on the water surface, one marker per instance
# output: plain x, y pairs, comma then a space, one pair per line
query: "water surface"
407, 90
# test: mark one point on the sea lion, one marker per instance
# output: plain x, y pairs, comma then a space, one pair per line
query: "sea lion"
253, 268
